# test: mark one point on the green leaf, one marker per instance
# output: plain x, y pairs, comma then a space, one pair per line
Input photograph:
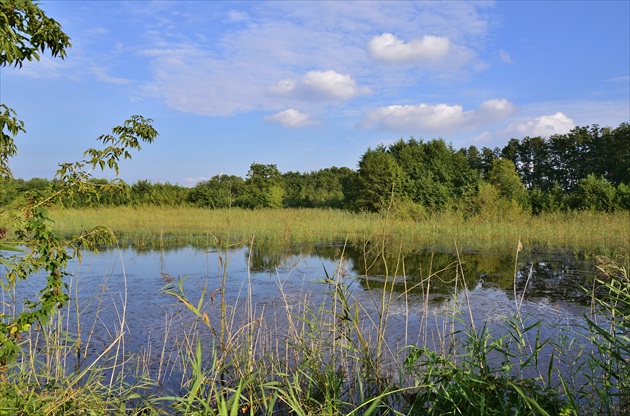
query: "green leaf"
7, 247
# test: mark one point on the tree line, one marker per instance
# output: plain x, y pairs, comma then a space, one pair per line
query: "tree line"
585, 169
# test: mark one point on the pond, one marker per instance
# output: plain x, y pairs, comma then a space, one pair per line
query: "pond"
422, 293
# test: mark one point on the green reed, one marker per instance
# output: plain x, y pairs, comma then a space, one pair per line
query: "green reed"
599, 233
326, 357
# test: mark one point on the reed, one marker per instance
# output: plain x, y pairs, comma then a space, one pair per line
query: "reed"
333, 356
583, 231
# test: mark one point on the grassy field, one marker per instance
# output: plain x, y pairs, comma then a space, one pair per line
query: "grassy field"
580, 231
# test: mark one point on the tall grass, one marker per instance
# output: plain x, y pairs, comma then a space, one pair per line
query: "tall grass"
57, 373
599, 233
300, 354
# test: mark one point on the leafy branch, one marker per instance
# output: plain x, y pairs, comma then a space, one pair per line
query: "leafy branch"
42, 250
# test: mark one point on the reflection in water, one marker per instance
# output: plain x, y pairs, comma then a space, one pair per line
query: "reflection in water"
558, 277
423, 288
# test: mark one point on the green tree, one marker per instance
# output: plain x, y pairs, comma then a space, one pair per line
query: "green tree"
26, 230
380, 179
594, 193
623, 196
41, 249
549, 200
325, 188
436, 176
221, 191
504, 177
25, 31
262, 188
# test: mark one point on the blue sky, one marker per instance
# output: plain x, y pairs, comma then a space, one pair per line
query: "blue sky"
310, 85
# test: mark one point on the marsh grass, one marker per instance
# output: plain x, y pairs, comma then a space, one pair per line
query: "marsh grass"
583, 231
57, 374
305, 355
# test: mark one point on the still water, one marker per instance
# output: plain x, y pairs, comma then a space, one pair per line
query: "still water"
422, 290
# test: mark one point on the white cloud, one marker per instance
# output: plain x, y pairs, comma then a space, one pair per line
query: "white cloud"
291, 118
189, 80
224, 69
237, 16
439, 118
390, 48
437, 53
101, 74
619, 79
320, 86
285, 87
195, 180
544, 126
505, 57
46, 67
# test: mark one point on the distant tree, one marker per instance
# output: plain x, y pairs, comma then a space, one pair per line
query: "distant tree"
141, 192
380, 178
263, 187
549, 200
504, 177
474, 159
594, 193
623, 196
221, 191
435, 175
325, 188
615, 159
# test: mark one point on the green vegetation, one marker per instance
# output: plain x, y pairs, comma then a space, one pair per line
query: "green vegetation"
307, 358
584, 231
327, 358
583, 170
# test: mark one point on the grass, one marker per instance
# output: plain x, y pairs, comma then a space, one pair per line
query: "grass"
299, 356
596, 233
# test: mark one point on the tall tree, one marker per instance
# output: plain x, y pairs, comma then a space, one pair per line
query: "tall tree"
504, 177
24, 31
436, 175
221, 191
263, 187
380, 178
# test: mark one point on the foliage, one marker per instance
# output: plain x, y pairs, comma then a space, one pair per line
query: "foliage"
611, 336
414, 178
25, 30
486, 378
380, 180
565, 159
42, 249
503, 176
221, 191
594, 193
262, 188
489, 205
10, 126
436, 176
545, 201
325, 188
